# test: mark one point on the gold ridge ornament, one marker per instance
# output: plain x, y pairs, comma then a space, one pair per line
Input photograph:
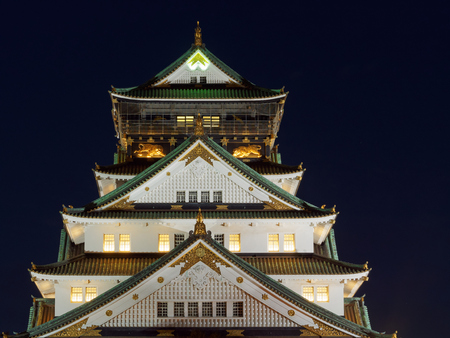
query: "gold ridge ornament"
149, 151
252, 150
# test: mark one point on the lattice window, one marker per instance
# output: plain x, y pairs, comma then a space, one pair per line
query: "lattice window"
192, 197
124, 243
274, 245
178, 309
221, 309
164, 243
193, 79
76, 295
235, 242
192, 309
289, 242
108, 242
91, 293
181, 197
322, 294
220, 238
202, 79
238, 309
217, 197
205, 197
308, 293
162, 309
178, 239
207, 309
211, 121
185, 121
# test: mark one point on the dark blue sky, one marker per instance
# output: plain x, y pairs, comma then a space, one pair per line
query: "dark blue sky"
367, 114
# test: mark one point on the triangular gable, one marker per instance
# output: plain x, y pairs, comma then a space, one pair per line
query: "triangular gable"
198, 261
204, 148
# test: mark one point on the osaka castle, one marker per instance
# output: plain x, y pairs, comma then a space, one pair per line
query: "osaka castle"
197, 230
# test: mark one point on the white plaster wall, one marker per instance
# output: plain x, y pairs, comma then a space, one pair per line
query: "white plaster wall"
253, 233
63, 288
335, 289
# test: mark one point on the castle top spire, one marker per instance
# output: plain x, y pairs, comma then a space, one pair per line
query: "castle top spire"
198, 35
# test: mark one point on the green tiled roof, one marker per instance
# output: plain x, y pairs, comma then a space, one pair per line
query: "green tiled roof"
241, 167
268, 282
191, 91
130, 264
134, 167
181, 214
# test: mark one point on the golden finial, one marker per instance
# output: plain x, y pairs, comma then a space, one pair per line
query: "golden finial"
323, 206
200, 227
366, 266
199, 126
333, 209
198, 35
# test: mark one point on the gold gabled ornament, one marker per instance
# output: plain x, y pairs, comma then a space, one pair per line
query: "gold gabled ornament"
198, 35
200, 227
199, 131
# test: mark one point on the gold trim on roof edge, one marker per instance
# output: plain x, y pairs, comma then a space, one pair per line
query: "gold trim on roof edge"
123, 204
76, 330
325, 330
199, 151
200, 253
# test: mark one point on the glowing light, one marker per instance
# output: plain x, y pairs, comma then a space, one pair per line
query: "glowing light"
198, 60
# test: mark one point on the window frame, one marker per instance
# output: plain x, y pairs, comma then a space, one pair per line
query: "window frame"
234, 243
78, 294
287, 243
109, 241
273, 243
124, 243
163, 243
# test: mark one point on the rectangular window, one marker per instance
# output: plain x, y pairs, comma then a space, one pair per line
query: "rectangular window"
308, 293
181, 197
178, 309
192, 309
273, 243
217, 196
211, 121
289, 243
322, 293
221, 309
179, 238
185, 121
164, 244
108, 243
202, 79
162, 309
192, 197
193, 79
219, 238
205, 196
124, 243
76, 295
91, 293
235, 242
238, 309
207, 309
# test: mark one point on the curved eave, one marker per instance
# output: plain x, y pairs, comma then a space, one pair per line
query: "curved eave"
135, 98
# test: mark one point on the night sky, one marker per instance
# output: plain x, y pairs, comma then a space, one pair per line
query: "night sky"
367, 114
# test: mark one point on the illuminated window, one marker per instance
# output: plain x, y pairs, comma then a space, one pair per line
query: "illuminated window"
179, 238
207, 309
289, 243
185, 121
217, 196
235, 242
76, 295
91, 293
273, 243
124, 243
192, 309
221, 309
162, 309
164, 244
220, 238
205, 197
108, 243
178, 309
192, 197
238, 309
181, 197
211, 121
322, 293
308, 293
